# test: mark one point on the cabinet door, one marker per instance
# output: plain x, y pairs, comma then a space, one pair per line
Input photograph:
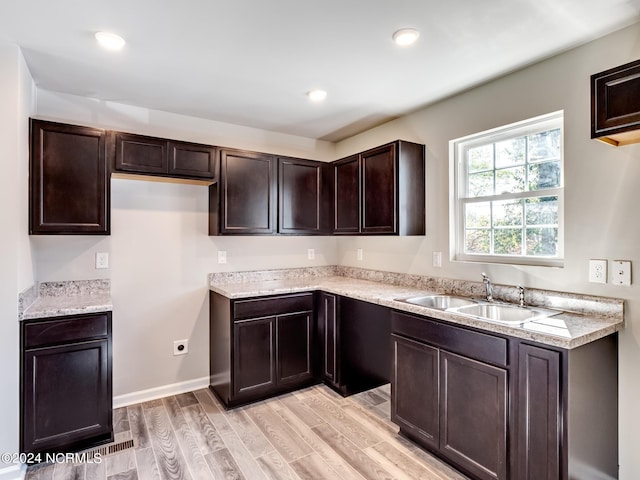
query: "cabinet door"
69, 187
414, 381
192, 160
247, 193
254, 357
299, 196
473, 421
379, 183
347, 195
328, 338
294, 340
67, 395
615, 104
140, 154
539, 414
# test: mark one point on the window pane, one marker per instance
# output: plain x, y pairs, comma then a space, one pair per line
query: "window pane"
510, 180
544, 145
480, 158
507, 241
510, 152
477, 241
542, 241
544, 175
542, 211
481, 184
478, 215
507, 213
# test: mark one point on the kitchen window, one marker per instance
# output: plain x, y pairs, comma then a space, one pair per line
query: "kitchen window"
507, 186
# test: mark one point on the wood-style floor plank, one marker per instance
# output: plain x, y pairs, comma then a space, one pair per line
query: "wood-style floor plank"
128, 475
138, 426
120, 420
275, 467
171, 462
334, 415
223, 466
326, 452
96, 471
147, 465
243, 458
285, 440
302, 411
206, 434
187, 440
352, 454
186, 399
120, 462
214, 411
399, 464
253, 439
312, 467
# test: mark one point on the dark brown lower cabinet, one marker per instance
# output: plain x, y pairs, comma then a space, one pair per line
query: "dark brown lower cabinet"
453, 405
567, 410
66, 392
260, 347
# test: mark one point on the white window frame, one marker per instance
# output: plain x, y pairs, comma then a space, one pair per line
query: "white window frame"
458, 190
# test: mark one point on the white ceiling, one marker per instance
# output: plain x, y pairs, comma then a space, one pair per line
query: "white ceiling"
250, 62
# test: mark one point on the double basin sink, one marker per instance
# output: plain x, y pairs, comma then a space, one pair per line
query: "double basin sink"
503, 313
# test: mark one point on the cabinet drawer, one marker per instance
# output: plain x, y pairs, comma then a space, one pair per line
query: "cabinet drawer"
267, 306
476, 345
65, 329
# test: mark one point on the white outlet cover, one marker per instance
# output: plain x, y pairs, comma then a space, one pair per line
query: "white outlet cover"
311, 254
437, 259
359, 254
222, 256
598, 271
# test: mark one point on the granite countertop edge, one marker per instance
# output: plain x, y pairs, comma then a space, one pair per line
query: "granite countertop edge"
65, 298
583, 328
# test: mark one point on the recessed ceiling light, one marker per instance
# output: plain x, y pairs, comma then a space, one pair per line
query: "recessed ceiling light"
406, 36
317, 95
110, 41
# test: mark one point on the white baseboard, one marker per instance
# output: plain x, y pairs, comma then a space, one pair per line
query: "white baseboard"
158, 392
13, 472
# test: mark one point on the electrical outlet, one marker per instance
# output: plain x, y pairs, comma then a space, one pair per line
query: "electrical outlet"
180, 347
359, 254
437, 259
621, 272
102, 260
311, 254
598, 271
222, 256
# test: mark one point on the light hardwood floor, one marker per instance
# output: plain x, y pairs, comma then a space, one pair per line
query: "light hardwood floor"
306, 435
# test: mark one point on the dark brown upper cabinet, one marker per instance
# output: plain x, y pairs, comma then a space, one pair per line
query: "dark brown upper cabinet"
304, 196
381, 191
138, 154
244, 200
68, 180
615, 105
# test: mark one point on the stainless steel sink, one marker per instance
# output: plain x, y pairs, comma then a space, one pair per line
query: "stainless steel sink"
507, 314
440, 302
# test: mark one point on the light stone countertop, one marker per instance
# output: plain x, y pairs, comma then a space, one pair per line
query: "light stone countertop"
58, 299
565, 330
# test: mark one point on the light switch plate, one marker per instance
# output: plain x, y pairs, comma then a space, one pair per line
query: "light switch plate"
621, 272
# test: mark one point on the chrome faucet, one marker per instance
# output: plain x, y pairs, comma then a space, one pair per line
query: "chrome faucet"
521, 295
488, 287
